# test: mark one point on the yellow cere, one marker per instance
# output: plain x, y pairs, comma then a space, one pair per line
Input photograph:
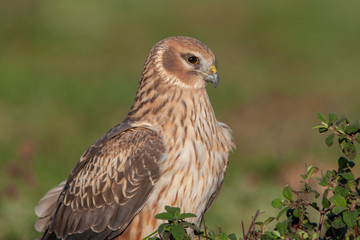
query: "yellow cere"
213, 69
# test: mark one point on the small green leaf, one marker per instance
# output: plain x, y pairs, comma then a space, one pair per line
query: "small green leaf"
332, 118
352, 128
349, 150
287, 193
358, 138
296, 213
329, 139
315, 235
352, 184
321, 117
281, 227
276, 203
317, 194
173, 211
348, 176
337, 210
350, 218
260, 224
342, 141
269, 220
341, 191
324, 180
223, 236
274, 234
343, 163
326, 203
338, 201
323, 129
232, 236
319, 126
338, 223
164, 216
178, 232
310, 171
284, 210
186, 215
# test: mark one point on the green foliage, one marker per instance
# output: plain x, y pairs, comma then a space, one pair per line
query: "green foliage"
337, 209
176, 228
346, 132
335, 200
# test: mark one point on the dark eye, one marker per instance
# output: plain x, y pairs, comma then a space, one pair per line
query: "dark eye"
193, 60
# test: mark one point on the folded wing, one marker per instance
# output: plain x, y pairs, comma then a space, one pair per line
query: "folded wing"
106, 189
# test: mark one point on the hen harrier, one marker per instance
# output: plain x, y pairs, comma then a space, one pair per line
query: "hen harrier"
169, 150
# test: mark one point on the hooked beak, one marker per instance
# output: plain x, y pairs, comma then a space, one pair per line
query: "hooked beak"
212, 76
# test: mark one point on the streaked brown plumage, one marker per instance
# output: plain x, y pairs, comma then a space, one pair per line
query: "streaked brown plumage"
170, 150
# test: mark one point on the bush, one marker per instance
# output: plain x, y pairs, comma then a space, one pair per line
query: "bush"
337, 206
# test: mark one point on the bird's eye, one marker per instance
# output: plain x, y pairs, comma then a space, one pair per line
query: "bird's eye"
193, 60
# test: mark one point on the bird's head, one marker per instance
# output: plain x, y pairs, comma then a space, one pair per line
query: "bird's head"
185, 62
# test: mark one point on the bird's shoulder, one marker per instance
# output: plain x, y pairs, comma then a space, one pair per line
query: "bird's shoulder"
225, 136
126, 149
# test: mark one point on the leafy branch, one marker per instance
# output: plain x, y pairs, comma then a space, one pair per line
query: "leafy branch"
346, 132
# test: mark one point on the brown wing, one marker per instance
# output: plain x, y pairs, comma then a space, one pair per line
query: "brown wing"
108, 186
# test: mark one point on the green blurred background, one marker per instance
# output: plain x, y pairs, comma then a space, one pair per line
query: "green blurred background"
69, 72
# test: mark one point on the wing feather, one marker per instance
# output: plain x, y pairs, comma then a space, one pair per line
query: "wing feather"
46, 206
109, 185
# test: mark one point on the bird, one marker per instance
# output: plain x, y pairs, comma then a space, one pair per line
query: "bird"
170, 150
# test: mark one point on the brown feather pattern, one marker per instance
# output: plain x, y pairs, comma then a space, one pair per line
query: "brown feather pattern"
170, 150
110, 188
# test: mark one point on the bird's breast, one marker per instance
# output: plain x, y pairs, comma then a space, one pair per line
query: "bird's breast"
193, 168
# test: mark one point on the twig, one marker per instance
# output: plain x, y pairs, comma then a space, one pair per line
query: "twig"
243, 229
252, 225
205, 228
322, 215
356, 231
